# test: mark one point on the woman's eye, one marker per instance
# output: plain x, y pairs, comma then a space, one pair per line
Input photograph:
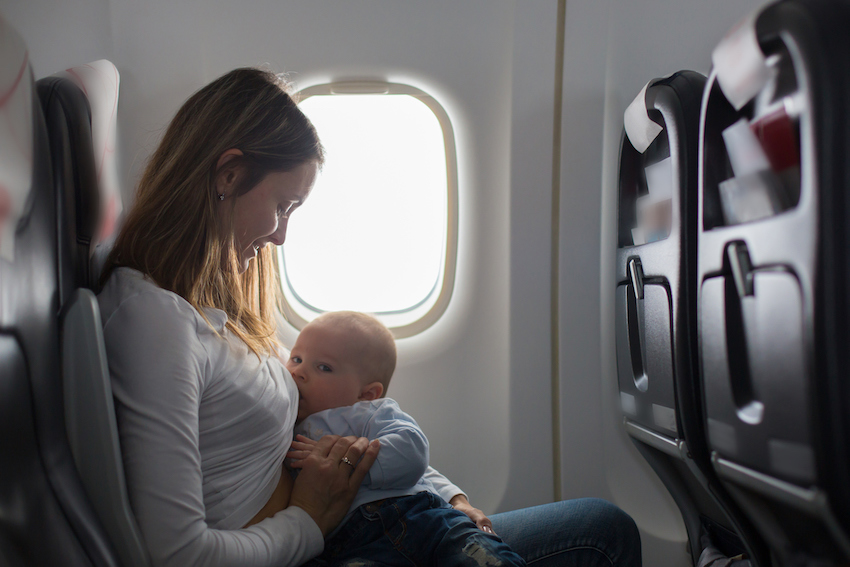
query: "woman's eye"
325, 368
285, 211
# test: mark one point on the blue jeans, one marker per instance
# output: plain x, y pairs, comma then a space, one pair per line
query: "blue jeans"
579, 533
413, 530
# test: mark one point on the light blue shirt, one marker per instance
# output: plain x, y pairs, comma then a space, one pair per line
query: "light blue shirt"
402, 465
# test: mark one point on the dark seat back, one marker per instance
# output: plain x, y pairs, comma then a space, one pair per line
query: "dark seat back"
68, 118
655, 310
772, 279
45, 517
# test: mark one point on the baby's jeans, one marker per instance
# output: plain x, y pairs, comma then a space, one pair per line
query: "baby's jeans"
413, 530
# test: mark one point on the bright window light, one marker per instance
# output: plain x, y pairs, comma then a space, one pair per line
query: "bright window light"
373, 235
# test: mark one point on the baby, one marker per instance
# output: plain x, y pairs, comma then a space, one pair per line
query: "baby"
342, 363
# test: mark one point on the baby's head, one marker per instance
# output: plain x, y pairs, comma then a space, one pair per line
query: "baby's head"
339, 359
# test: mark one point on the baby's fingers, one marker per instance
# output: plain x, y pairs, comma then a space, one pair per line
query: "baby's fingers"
300, 446
297, 455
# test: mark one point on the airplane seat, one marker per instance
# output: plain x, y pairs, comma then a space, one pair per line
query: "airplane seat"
655, 309
772, 275
80, 107
45, 516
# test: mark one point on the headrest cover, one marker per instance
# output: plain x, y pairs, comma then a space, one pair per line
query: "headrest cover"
640, 128
741, 67
99, 82
16, 134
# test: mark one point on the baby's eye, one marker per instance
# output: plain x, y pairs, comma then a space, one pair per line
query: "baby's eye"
325, 368
295, 359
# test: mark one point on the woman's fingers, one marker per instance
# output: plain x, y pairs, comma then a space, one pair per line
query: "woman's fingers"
369, 456
340, 447
345, 452
325, 445
354, 451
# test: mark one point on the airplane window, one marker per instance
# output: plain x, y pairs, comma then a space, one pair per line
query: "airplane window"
378, 233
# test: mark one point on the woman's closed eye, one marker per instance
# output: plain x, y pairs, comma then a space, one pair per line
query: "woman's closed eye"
285, 211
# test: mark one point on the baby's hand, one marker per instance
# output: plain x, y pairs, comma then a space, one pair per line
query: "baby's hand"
299, 450
459, 502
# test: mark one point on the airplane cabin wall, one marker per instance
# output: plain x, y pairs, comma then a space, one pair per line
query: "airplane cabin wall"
612, 49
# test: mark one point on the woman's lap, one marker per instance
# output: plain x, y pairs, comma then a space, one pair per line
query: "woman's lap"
583, 532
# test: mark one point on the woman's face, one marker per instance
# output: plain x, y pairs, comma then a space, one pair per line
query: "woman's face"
261, 215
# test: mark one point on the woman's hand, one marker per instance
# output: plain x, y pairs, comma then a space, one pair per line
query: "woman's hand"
327, 484
459, 502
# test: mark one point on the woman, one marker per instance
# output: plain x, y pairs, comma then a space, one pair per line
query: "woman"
205, 410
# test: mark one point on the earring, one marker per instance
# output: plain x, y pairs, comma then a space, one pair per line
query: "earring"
221, 197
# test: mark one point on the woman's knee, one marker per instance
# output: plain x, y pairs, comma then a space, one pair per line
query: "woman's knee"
552, 534
621, 532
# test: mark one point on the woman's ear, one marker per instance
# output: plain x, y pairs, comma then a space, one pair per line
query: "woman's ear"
226, 175
371, 391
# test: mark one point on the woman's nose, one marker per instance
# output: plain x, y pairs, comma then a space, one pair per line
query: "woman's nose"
279, 236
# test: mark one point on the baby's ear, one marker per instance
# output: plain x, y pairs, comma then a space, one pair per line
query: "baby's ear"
371, 391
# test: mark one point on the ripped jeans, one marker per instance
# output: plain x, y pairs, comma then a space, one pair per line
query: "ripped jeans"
413, 530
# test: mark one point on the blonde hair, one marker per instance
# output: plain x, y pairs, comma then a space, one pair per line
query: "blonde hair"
173, 234
379, 357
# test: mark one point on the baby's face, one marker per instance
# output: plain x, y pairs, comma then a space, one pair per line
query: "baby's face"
325, 365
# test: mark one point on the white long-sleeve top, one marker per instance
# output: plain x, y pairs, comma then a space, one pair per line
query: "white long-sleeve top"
204, 425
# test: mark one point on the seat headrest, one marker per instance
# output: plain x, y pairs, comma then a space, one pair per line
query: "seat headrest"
99, 81
16, 135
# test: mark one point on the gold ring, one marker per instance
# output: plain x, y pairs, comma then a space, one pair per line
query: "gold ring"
347, 462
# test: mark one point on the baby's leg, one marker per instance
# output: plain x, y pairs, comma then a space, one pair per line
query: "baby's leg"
450, 539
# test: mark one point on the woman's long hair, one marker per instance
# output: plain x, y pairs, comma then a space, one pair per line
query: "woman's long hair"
173, 232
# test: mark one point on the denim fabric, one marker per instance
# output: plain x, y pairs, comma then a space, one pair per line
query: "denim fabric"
578, 533
413, 530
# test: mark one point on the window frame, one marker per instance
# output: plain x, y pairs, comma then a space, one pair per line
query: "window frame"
449, 264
